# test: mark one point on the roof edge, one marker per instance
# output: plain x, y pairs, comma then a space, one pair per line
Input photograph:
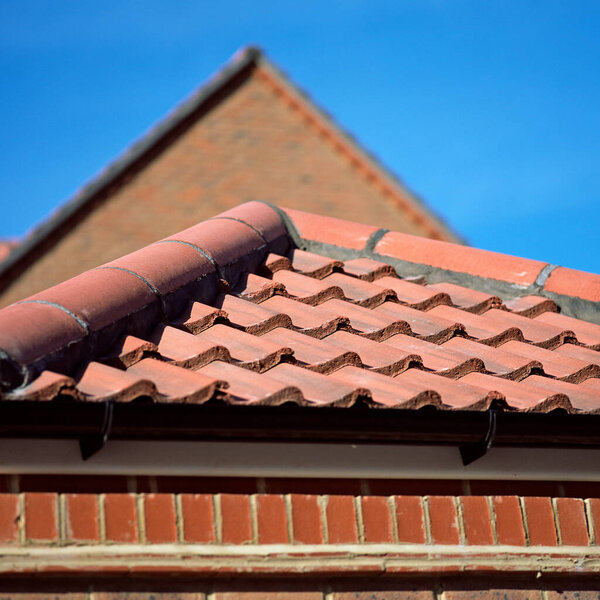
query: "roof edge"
577, 293
245, 59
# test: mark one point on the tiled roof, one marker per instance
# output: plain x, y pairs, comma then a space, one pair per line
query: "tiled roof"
260, 307
6, 247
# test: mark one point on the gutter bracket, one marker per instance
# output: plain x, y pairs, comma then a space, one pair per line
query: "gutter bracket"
475, 450
91, 444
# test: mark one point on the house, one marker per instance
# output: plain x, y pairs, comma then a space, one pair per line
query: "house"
247, 134
279, 405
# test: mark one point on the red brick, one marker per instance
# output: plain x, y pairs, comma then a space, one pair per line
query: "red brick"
443, 520
341, 520
385, 595
41, 516
572, 595
509, 520
154, 595
594, 516
477, 522
272, 519
574, 283
572, 522
9, 518
295, 595
463, 259
81, 517
159, 513
306, 519
235, 514
540, 521
120, 518
493, 594
377, 519
410, 519
198, 518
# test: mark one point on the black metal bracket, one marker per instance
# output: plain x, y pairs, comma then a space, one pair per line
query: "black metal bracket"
91, 444
471, 452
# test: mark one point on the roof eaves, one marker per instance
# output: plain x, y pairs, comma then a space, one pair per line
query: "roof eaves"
242, 62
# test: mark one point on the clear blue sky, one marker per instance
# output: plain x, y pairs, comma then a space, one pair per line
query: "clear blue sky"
490, 111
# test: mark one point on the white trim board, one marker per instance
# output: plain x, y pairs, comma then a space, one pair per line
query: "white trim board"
262, 459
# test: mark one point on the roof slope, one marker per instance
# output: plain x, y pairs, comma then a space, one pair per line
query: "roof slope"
247, 65
260, 306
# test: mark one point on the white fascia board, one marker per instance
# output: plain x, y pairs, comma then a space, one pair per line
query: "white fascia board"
260, 459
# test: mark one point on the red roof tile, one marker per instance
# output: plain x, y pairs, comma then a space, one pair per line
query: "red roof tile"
257, 307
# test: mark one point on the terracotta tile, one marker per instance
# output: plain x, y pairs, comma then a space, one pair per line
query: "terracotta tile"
32, 330
159, 513
186, 350
176, 384
312, 353
530, 306
235, 514
410, 520
250, 317
248, 387
367, 268
480, 327
102, 383
377, 520
580, 396
129, 350
262, 218
498, 360
313, 265
365, 321
572, 522
388, 391
443, 520
306, 289
274, 262
590, 385
177, 271
425, 324
120, 518
306, 519
316, 389
9, 518
307, 319
256, 353
509, 520
255, 288
477, 521
47, 386
587, 333
535, 330
233, 246
494, 594
570, 282
330, 230
556, 365
444, 361
41, 516
593, 506
81, 517
271, 519
412, 294
383, 358
540, 521
361, 292
455, 394
463, 259
467, 299
197, 316
521, 395
198, 518
102, 297
581, 353
341, 520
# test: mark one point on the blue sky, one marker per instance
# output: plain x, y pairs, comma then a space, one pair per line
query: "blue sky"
489, 111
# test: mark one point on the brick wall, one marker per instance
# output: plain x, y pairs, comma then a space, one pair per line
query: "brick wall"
258, 143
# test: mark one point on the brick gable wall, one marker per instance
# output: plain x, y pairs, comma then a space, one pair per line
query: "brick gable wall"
257, 143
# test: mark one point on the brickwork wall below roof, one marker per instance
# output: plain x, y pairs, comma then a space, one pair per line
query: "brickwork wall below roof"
253, 145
